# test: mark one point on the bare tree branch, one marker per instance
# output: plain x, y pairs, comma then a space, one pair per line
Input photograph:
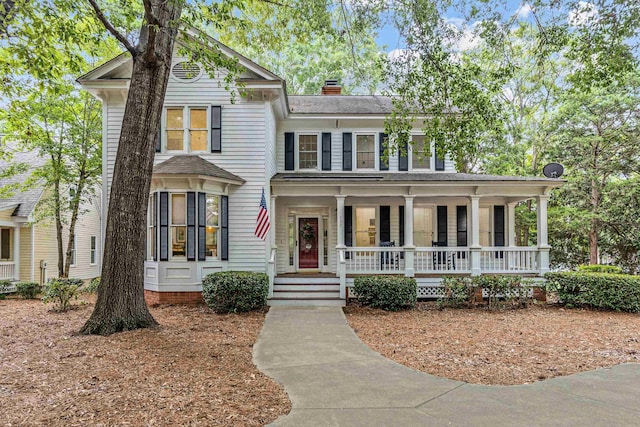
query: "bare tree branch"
121, 38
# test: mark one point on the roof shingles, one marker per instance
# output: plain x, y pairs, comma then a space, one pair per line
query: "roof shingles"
194, 165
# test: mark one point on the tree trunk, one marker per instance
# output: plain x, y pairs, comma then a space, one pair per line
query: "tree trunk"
121, 305
58, 215
593, 230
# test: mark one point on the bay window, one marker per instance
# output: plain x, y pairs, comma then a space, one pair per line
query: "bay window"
211, 233
178, 225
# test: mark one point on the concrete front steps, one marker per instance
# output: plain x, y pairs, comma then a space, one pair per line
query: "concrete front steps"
306, 291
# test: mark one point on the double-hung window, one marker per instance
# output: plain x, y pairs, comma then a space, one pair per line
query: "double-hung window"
308, 151
365, 227
93, 249
422, 226
212, 227
420, 155
365, 151
73, 252
178, 225
186, 129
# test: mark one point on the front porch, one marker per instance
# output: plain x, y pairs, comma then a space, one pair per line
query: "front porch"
424, 229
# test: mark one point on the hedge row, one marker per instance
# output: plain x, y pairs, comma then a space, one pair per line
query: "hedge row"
619, 292
391, 293
503, 291
599, 268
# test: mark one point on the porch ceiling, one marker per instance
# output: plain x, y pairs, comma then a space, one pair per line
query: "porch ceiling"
417, 184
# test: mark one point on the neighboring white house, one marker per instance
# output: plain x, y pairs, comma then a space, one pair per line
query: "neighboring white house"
28, 242
337, 208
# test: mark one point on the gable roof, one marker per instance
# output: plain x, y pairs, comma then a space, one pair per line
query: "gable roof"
23, 201
195, 165
124, 59
340, 104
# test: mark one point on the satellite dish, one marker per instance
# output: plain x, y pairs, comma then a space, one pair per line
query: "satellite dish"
553, 170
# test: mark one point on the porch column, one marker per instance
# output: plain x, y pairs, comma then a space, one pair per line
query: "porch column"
409, 249
543, 239
342, 265
271, 260
16, 253
475, 247
511, 224
340, 220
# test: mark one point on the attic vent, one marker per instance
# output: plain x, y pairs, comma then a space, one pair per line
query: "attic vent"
186, 71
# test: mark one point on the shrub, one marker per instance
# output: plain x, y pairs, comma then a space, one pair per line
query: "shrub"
5, 285
60, 292
92, 286
599, 268
457, 292
619, 292
235, 291
391, 293
503, 291
28, 290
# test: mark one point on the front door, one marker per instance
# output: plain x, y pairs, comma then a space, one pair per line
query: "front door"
308, 247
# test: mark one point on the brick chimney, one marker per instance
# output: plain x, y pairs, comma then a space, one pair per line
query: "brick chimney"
331, 88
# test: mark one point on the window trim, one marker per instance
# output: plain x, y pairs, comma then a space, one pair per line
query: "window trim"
74, 252
354, 149
186, 135
93, 250
296, 149
431, 158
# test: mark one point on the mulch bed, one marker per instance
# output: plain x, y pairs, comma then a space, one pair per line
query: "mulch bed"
500, 347
195, 369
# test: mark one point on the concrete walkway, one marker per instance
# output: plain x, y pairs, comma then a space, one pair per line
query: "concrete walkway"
333, 379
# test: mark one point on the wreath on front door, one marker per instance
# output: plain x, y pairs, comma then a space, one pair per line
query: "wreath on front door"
307, 232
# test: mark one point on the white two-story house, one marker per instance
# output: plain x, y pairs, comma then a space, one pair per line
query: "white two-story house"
338, 206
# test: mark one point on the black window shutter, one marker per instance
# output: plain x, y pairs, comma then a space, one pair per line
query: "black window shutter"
202, 223
5, 249
191, 226
401, 226
403, 157
347, 151
348, 226
224, 228
498, 225
164, 226
216, 128
385, 223
159, 139
442, 226
439, 161
155, 213
326, 151
289, 152
461, 219
384, 165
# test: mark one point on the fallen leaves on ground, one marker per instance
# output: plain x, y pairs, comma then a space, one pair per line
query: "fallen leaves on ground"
195, 369
500, 347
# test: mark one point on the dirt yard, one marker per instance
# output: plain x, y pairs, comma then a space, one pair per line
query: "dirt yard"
195, 369
504, 347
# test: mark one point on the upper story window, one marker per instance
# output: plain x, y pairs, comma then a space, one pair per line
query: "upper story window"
365, 151
420, 160
308, 151
186, 129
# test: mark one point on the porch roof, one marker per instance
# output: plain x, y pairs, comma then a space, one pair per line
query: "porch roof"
195, 165
410, 177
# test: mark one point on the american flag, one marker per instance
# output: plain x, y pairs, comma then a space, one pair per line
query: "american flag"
262, 222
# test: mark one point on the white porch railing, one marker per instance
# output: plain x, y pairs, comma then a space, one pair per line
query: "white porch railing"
509, 260
7, 270
442, 260
374, 260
